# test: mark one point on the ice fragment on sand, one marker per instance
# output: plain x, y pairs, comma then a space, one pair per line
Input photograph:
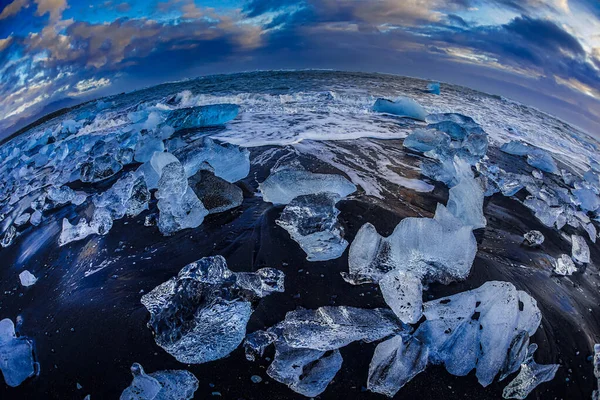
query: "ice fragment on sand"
533, 238
160, 385
402, 291
536, 157
465, 200
395, 362
530, 376
146, 147
99, 169
402, 107
433, 87
202, 116
596, 393
564, 265
216, 194
16, 355
27, 278
284, 185
100, 224
580, 250
201, 314
311, 221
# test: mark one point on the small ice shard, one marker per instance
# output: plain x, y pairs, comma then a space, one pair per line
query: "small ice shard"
395, 362
537, 174
429, 248
580, 250
564, 265
160, 385
282, 186
100, 168
477, 329
36, 218
311, 221
138, 198
202, 116
71, 233
433, 87
402, 107
596, 393
27, 278
403, 292
229, 162
22, 219
216, 194
530, 376
423, 140
201, 314
305, 371
179, 206
465, 200
536, 157
16, 355
533, 238
146, 148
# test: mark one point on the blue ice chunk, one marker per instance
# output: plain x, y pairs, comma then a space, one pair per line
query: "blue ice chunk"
455, 130
536, 157
160, 385
423, 140
531, 375
402, 107
202, 116
146, 147
16, 355
588, 200
434, 88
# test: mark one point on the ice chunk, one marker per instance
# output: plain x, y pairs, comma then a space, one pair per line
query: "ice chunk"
229, 162
533, 238
16, 355
587, 199
284, 185
477, 329
530, 376
536, 157
423, 140
201, 314
395, 362
202, 116
99, 169
311, 221
100, 224
216, 194
22, 219
138, 198
27, 278
402, 107
596, 393
146, 148
580, 250
402, 291
426, 247
161, 385
305, 371
453, 129
433, 87
465, 200
564, 265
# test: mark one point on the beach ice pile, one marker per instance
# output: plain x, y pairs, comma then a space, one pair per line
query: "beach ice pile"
201, 314
16, 355
160, 385
310, 215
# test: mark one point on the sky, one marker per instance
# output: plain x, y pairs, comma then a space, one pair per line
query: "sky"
57, 53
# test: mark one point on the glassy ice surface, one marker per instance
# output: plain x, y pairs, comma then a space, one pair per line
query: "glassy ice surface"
402, 291
536, 157
533, 238
402, 107
216, 194
434, 87
201, 314
16, 355
311, 221
530, 376
27, 278
580, 250
596, 393
202, 116
282, 186
465, 200
160, 385
423, 140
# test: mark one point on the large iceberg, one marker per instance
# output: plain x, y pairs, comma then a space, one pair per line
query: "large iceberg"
311, 221
160, 385
201, 314
202, 116
282, 186
16, 355
402, 107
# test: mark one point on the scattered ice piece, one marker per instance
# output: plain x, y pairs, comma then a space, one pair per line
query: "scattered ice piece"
27, 278
16, 355
533, 238
465, 200
202, 116
403, 292
537, 174
311, 221
394, 363
256, 379
564, 265
580, 250
530, 376
284, 185
596, 393
433, 87
201, 314
587, 198
536, 157
402, 107
423, 140
99, 168
455, 130
216, 194
146, 148
22, 219
160, 385
477, 329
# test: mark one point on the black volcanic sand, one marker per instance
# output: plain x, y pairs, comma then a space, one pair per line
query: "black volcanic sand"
89, 330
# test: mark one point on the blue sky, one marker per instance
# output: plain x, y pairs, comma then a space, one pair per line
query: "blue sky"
544, 53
